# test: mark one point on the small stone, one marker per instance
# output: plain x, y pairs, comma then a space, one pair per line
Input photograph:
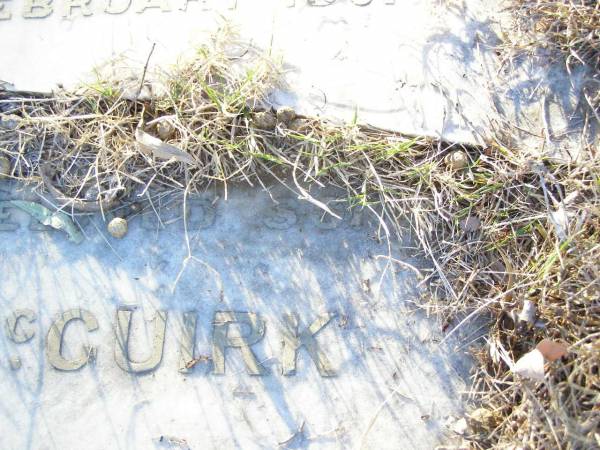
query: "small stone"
285, 115
265, 120
165, 130
456, 160
117, 227
4, 166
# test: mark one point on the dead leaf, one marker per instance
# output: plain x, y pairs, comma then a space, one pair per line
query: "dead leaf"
151, 145
530, 365
57, 220
551, 350
460, 426
527, 314
494, 352
560, 220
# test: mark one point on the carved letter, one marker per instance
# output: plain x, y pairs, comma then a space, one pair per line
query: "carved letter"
221, 340
147, 4
84, 5
11, 326
188, 341
122, 342
4, 13
37, 9
292, 341
55, 338
114, 9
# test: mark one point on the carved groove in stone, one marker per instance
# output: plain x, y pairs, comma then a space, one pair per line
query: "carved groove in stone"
188, 341
19, 337
292, 341
37, 9
122, 342
55, 339
221, 340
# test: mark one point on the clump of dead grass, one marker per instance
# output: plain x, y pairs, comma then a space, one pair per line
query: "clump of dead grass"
572, 28
569, 30
499, 228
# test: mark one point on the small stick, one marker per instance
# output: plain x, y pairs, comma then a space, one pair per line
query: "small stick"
144, 72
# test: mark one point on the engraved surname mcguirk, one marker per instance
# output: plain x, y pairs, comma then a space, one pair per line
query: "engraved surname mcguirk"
251, 330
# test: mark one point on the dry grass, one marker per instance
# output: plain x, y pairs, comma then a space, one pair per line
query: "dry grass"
486, 225
572, 28
568, 30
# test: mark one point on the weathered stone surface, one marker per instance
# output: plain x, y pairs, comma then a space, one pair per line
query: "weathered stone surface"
308, 306
416, 66
408, 65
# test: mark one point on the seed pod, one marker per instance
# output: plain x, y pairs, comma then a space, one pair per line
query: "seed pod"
4, 166
117, 227
456, 160
286, 115
265, 120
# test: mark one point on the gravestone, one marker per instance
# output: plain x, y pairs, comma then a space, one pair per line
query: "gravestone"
256, 323
406, 65
420, 67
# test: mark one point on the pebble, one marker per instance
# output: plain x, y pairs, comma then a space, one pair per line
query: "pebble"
117, 227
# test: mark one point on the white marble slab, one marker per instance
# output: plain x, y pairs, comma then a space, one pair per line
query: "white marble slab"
407, 65
393, 387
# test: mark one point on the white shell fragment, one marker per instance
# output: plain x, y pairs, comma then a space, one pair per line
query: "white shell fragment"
117, 227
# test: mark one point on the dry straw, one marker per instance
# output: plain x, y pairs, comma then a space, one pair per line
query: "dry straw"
499, 228
568, 30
